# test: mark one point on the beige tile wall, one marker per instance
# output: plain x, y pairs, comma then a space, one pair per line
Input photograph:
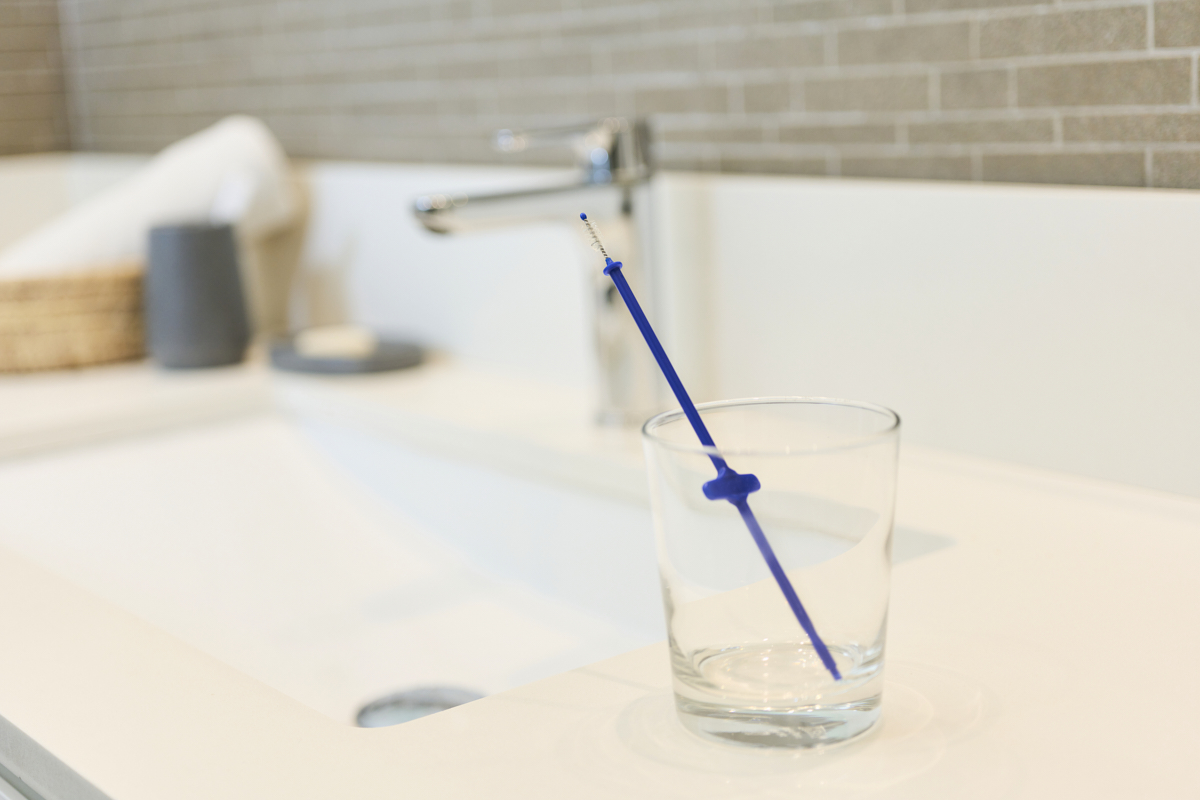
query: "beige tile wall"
32, 102
1099, 91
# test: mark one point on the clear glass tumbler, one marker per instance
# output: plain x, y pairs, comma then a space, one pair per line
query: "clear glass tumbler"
744, 670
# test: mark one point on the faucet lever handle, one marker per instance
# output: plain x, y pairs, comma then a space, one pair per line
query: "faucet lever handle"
514, 141
602, 148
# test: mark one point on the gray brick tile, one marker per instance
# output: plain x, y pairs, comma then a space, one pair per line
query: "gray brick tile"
1149, 82
558, 65
901, 93
502, 8
953, 168
658, 58
774, 165
30, 82
581, 103
462, 106
984, 88
693, 18
923, 6
744, 134
925, 44
29, 136
687, 162
13, 14
838, 134
830, 9
1177, 170
1177, 23
766, 98
1026, 130
1106, 169
614, 3
1133, 128
1087, 31
468, 70
30, 106
394, 108
771, 52
589, 30
398, 14
682, 100
16, 62
28, 38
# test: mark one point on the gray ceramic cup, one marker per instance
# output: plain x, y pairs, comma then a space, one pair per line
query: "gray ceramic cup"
195, 307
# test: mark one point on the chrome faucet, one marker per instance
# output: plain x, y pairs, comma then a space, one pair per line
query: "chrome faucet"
613, 156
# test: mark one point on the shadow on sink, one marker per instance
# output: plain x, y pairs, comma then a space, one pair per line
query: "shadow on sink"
910, 543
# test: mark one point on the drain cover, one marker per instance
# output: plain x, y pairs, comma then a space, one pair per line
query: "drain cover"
412, 704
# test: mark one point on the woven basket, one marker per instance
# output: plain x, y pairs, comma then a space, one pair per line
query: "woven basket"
71, 320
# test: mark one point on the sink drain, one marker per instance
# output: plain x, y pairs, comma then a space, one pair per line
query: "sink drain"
412, 704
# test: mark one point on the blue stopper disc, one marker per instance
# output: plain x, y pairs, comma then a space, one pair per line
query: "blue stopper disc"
730, 485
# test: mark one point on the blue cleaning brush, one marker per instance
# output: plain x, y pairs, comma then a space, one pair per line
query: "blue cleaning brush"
728, 485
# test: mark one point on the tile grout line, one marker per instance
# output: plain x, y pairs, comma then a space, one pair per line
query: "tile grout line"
1195, 79
1150, 27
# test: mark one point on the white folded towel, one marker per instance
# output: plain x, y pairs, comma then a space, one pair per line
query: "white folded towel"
235, 171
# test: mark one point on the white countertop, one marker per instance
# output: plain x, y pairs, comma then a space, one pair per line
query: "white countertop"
1047, 653
47, 410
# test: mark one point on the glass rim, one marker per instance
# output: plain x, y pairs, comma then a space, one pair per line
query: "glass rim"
676, 414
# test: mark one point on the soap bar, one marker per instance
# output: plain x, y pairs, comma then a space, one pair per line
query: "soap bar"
336, 341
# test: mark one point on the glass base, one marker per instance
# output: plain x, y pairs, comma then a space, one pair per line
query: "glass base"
807, 727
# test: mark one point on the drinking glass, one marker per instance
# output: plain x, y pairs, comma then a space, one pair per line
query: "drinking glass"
743, 668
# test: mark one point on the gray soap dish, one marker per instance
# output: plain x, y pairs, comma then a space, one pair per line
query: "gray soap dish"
386, 356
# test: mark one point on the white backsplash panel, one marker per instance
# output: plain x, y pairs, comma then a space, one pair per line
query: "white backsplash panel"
1052, 326
1055, 327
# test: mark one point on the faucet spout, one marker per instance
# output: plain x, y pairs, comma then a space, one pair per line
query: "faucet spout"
613, 187
462, 213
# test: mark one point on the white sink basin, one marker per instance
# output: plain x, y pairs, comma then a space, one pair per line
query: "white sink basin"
243, 539
337, 566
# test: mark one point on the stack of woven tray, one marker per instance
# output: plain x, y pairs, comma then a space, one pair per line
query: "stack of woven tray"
71, 320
